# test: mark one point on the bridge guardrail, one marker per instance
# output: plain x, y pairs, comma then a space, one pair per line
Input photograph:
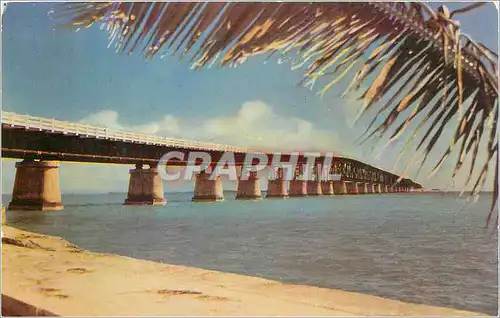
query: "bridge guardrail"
65, 127
106, 133
102, 132
54, 125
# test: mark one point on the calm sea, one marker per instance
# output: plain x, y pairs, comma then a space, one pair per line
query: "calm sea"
423, 248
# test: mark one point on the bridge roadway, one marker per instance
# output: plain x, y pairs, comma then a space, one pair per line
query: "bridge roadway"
42, 142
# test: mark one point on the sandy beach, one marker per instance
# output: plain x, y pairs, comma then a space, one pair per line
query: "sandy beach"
52, 276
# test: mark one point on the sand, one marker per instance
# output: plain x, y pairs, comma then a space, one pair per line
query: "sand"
57, 277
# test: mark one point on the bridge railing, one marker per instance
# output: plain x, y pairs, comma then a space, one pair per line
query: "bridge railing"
81, 129
54, 125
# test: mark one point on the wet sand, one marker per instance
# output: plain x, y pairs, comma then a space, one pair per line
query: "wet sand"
50, 275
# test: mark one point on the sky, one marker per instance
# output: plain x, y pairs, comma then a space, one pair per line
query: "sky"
74, 76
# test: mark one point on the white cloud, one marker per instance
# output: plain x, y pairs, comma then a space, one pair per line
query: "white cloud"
255, 124
110, 119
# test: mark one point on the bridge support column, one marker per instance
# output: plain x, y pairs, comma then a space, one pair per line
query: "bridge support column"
314, 188
206, 189
370, 188
298, 188
352, 188
340, 187
381, 188
36, 186
362, 189
314, 184
327, 188
276, 186
249, 189
145, 187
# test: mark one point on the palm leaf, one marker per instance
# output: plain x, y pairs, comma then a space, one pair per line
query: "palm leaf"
403, 46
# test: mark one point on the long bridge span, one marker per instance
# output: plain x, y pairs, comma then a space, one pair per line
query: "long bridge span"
41, 143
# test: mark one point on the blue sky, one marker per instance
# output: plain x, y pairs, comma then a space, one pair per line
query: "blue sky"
74, 76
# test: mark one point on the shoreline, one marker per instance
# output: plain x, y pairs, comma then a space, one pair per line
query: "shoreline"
55, 276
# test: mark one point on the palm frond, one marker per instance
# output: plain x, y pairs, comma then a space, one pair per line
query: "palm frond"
411, 55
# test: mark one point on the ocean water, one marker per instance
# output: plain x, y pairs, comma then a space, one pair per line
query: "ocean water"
423, 248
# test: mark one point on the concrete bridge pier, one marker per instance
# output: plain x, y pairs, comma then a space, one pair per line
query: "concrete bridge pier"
314, 185
298, 187
36, 186
352, 188
370, 188
327, 188
249, 189
314, 188
276, 186
145, 186
362, 188
339, 187
206, 189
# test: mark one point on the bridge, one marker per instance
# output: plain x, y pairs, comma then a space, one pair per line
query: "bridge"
41, 143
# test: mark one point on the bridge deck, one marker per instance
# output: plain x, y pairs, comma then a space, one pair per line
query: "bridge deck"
29, 136
69, 128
